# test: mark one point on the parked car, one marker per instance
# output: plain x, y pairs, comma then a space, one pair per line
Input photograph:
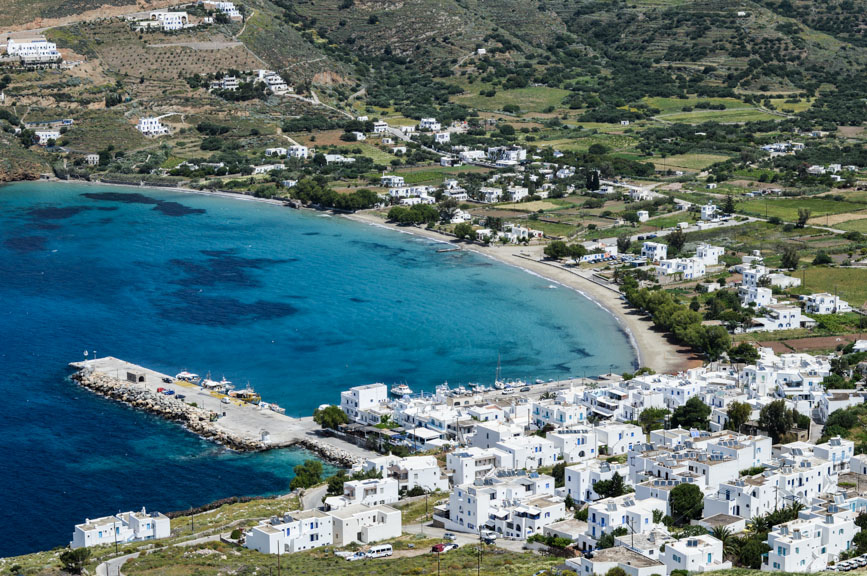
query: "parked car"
225, 400
167, 380
357, 556
169, 392
525, 389
181, 397
450, 536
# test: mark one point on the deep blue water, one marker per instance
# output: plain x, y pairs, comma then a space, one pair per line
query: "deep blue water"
299, 304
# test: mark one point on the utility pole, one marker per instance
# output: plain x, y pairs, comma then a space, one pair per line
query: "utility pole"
438, 564
114, 524
192, 521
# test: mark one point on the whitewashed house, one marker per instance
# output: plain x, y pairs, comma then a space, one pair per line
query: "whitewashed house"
293, 532
824, 303
654, 251
359, 399
365, 524
121, 528
33, 50
695, 554
369, 492
152, 127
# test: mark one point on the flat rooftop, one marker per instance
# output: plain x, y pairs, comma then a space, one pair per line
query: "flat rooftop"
625, 556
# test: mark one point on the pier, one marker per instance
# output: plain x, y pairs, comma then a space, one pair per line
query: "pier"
228, 421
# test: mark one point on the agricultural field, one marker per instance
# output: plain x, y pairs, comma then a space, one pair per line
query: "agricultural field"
787, 208
849, 283
731, 115
532, 99
859, 225
675, 105
689, 162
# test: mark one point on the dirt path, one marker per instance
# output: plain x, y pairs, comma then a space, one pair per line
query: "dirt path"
213, 45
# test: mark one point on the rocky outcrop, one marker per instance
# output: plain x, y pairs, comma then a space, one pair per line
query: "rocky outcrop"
329, 452
195, 419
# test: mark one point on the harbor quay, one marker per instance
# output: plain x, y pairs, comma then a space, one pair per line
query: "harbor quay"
224, 419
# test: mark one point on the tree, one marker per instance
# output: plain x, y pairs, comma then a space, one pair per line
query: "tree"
617, 570
307, 474
605, 541
750, 553
676, 239
738, 413
558, 472
776, 419
610, 488
336, 482
557, 250
623, 243
822, 258
576, 251
330, 417
464, 231
803, 216
448, 207
652, 419
687, 502
790, 258
582, 514
745, 353
729, 206
693, 414
73, 560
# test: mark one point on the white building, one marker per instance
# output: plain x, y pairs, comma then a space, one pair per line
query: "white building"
430, 124
780, 317
273, 81
365, 524
685, 268
36, 49
527, 453
45, 136
695, 554
152, 127
369, 492
358, 400
442, 137
122, 528
472, 464
624, 511
709, 212
392, 181
294, 532
708, 254
824, 303
630, 561
808, 543
380, 127
654, 251
643, 215
170, 21
580, 478
412, 471
515, 506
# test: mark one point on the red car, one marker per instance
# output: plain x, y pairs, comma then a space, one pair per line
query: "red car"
444, 547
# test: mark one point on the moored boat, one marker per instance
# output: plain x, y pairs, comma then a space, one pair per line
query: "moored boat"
401, 390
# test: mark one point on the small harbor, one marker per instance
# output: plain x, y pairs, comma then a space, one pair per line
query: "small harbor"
235, 419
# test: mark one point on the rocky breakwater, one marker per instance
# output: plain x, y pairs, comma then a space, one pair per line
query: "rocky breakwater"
194, 418
329, 452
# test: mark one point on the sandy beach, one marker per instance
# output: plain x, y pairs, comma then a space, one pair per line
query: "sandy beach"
653, 349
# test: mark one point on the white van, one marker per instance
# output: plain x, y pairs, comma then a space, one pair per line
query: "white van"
381, 551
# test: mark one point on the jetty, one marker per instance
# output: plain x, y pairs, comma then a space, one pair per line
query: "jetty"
228, 421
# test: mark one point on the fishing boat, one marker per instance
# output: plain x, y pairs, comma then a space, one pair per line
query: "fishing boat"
186, 376
246, 395
400, 390
274, 408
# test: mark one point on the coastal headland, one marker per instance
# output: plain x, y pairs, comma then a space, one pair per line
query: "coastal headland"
229, 422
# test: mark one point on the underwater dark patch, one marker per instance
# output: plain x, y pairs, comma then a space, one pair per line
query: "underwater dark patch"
26, 243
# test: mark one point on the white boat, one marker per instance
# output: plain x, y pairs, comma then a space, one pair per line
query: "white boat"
277, 409
210, 384
401, 390
186, 376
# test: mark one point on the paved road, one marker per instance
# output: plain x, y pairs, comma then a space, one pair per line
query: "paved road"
462, 538
312, 498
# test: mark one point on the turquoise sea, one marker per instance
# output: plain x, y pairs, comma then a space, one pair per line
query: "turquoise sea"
300, 304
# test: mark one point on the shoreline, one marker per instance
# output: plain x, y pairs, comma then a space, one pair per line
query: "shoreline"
652, 348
